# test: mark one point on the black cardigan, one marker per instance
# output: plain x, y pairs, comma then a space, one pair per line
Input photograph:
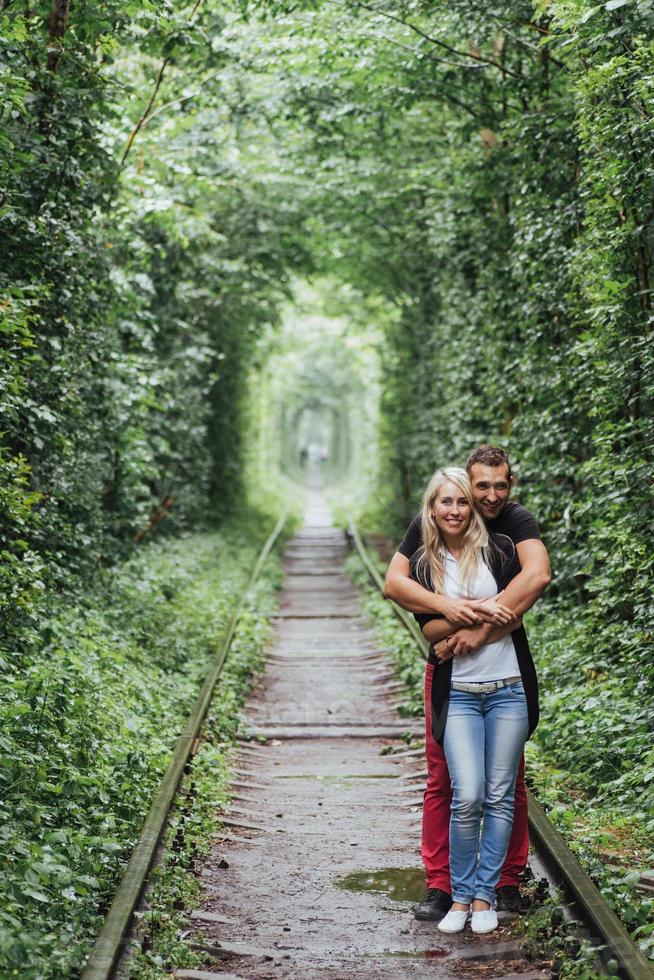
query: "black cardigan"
502, 561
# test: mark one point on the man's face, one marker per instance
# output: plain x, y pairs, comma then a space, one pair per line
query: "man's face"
491, 487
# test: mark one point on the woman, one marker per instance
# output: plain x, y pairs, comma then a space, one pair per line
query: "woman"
484, 704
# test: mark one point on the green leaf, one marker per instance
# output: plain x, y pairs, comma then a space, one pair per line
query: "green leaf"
37, 895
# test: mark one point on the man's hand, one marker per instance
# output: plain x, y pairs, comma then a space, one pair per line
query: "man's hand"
463, 612
473, 612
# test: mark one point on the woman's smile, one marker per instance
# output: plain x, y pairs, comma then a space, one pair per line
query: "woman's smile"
451, 509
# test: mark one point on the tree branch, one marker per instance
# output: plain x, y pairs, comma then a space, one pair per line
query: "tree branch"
157, 517
180, 101
437, 41
432, 57
142, 119
430, 54
157, 85
530, 44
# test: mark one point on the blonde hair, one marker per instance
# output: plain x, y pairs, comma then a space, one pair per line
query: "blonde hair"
430, 568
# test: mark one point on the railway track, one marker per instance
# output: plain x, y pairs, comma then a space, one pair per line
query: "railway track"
616, 950
318, 856
109, 942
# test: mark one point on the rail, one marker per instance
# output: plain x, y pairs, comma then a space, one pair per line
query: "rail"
405, 618
107, 947
560, 860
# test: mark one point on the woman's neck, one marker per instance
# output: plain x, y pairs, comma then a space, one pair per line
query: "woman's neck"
454, 545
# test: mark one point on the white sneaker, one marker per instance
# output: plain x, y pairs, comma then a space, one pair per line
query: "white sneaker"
484, 921
454, 921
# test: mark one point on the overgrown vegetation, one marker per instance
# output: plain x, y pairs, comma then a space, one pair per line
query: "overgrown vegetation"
91, 717
139, 271
161, 936
493, 167
477, 177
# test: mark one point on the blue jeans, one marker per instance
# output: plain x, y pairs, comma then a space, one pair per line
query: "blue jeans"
484, 738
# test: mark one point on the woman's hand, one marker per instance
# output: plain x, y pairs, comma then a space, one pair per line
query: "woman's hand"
494, 612
499, 632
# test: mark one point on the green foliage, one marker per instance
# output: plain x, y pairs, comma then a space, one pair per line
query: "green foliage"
136, 281
21, 566
317, 389
547, 936
174, 886
493, 166
90, 718
481, 179
499, 193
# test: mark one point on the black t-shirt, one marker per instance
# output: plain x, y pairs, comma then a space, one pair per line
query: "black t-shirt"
514, 520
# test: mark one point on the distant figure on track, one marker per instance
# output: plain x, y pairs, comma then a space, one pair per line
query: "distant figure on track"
470, 623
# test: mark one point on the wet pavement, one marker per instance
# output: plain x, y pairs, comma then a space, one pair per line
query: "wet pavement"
318, 865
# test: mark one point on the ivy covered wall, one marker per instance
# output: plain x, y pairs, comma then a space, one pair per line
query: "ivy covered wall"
140, 265
488, 173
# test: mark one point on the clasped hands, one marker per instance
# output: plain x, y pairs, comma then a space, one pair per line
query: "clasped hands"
475, 619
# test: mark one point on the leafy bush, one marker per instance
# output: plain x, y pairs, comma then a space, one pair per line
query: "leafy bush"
136, 288
91, 711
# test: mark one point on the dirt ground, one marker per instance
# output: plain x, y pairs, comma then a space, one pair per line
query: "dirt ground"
319, 864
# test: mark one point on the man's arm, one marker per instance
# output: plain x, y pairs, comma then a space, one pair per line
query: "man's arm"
406, 592
519, 595
462, 639
528, 586
445, 647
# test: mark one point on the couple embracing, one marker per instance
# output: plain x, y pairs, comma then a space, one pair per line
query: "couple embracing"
471, 563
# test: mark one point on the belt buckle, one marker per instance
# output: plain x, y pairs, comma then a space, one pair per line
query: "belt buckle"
487, 687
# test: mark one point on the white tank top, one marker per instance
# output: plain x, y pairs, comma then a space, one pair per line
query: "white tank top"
493, 661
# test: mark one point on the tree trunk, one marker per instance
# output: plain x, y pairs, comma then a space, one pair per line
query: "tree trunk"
57, 29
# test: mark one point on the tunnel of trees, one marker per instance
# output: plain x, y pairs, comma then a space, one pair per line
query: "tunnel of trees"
231, 231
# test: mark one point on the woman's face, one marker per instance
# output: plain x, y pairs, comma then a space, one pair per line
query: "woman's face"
451, 510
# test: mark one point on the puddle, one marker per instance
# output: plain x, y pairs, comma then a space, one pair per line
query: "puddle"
342, 778
400, 884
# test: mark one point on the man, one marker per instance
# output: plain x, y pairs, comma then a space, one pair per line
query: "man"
489, 470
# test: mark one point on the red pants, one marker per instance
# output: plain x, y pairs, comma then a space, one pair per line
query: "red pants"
436, 814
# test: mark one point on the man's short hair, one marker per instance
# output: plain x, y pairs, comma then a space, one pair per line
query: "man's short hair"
488, 456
